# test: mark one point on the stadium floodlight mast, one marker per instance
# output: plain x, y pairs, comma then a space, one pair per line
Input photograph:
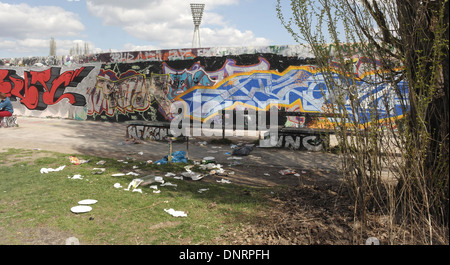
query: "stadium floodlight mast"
197, 13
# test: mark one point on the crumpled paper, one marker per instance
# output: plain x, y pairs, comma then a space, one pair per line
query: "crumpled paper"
47, 170
175, 213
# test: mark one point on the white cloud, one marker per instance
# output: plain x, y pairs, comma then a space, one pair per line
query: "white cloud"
159, 24
27, 30
168, 23
30, 46
133, 47
23, 21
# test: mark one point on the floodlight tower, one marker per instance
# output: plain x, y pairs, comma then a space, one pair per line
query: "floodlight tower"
197, 12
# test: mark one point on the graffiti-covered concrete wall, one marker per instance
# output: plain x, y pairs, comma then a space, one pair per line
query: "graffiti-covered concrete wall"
142, 85
49, 91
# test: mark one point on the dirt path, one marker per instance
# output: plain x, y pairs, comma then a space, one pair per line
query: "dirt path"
106, 139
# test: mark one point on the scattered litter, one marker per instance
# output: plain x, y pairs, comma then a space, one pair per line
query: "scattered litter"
202, 143
372, 241
287, 172
208, 159
192, 175
151, 179
148, 162
118, 175
177, 157
188, 168
216, 146
154, 187
81, 209
233, 146
140, 153
267, 174
175, 213
216, 168
202, 190
297, 175
117, 185
219, 171
242, 151
304, 172
134, 183
87, 202
72, 241
135, 167
74, 160
156, 191
234, 158
168, 184
170, 174
77, 176
132, 174
137, 190
101, 162
224, 181
180, 178
47, 170
227, 153
230, 172
159, 179
210, 166
98, 171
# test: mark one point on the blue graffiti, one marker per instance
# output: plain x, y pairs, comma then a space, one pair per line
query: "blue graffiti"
296, 86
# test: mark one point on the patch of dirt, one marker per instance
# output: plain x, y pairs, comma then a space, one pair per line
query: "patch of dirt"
26, 157
314, 209
167, 224
41, 236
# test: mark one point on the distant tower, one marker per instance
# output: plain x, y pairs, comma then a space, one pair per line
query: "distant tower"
197, 12
52, 47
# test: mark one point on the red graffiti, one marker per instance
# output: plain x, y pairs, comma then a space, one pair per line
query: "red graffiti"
36, 90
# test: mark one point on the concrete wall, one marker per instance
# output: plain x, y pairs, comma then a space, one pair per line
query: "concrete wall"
141, 85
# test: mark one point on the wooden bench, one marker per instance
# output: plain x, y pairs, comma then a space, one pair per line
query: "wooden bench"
10, 121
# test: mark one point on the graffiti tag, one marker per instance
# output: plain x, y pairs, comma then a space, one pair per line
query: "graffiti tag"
38, 89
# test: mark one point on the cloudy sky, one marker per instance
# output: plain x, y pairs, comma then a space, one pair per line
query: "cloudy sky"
26, 26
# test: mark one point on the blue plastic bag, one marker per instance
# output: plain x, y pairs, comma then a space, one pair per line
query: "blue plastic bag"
177, 157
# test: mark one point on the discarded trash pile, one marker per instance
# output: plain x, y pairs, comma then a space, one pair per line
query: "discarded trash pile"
176, 157
208, 167
242, 151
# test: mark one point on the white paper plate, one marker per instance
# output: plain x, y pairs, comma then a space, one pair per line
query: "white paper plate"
87, 202
81, 209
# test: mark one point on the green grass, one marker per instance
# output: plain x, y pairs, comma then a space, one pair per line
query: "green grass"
29, 199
